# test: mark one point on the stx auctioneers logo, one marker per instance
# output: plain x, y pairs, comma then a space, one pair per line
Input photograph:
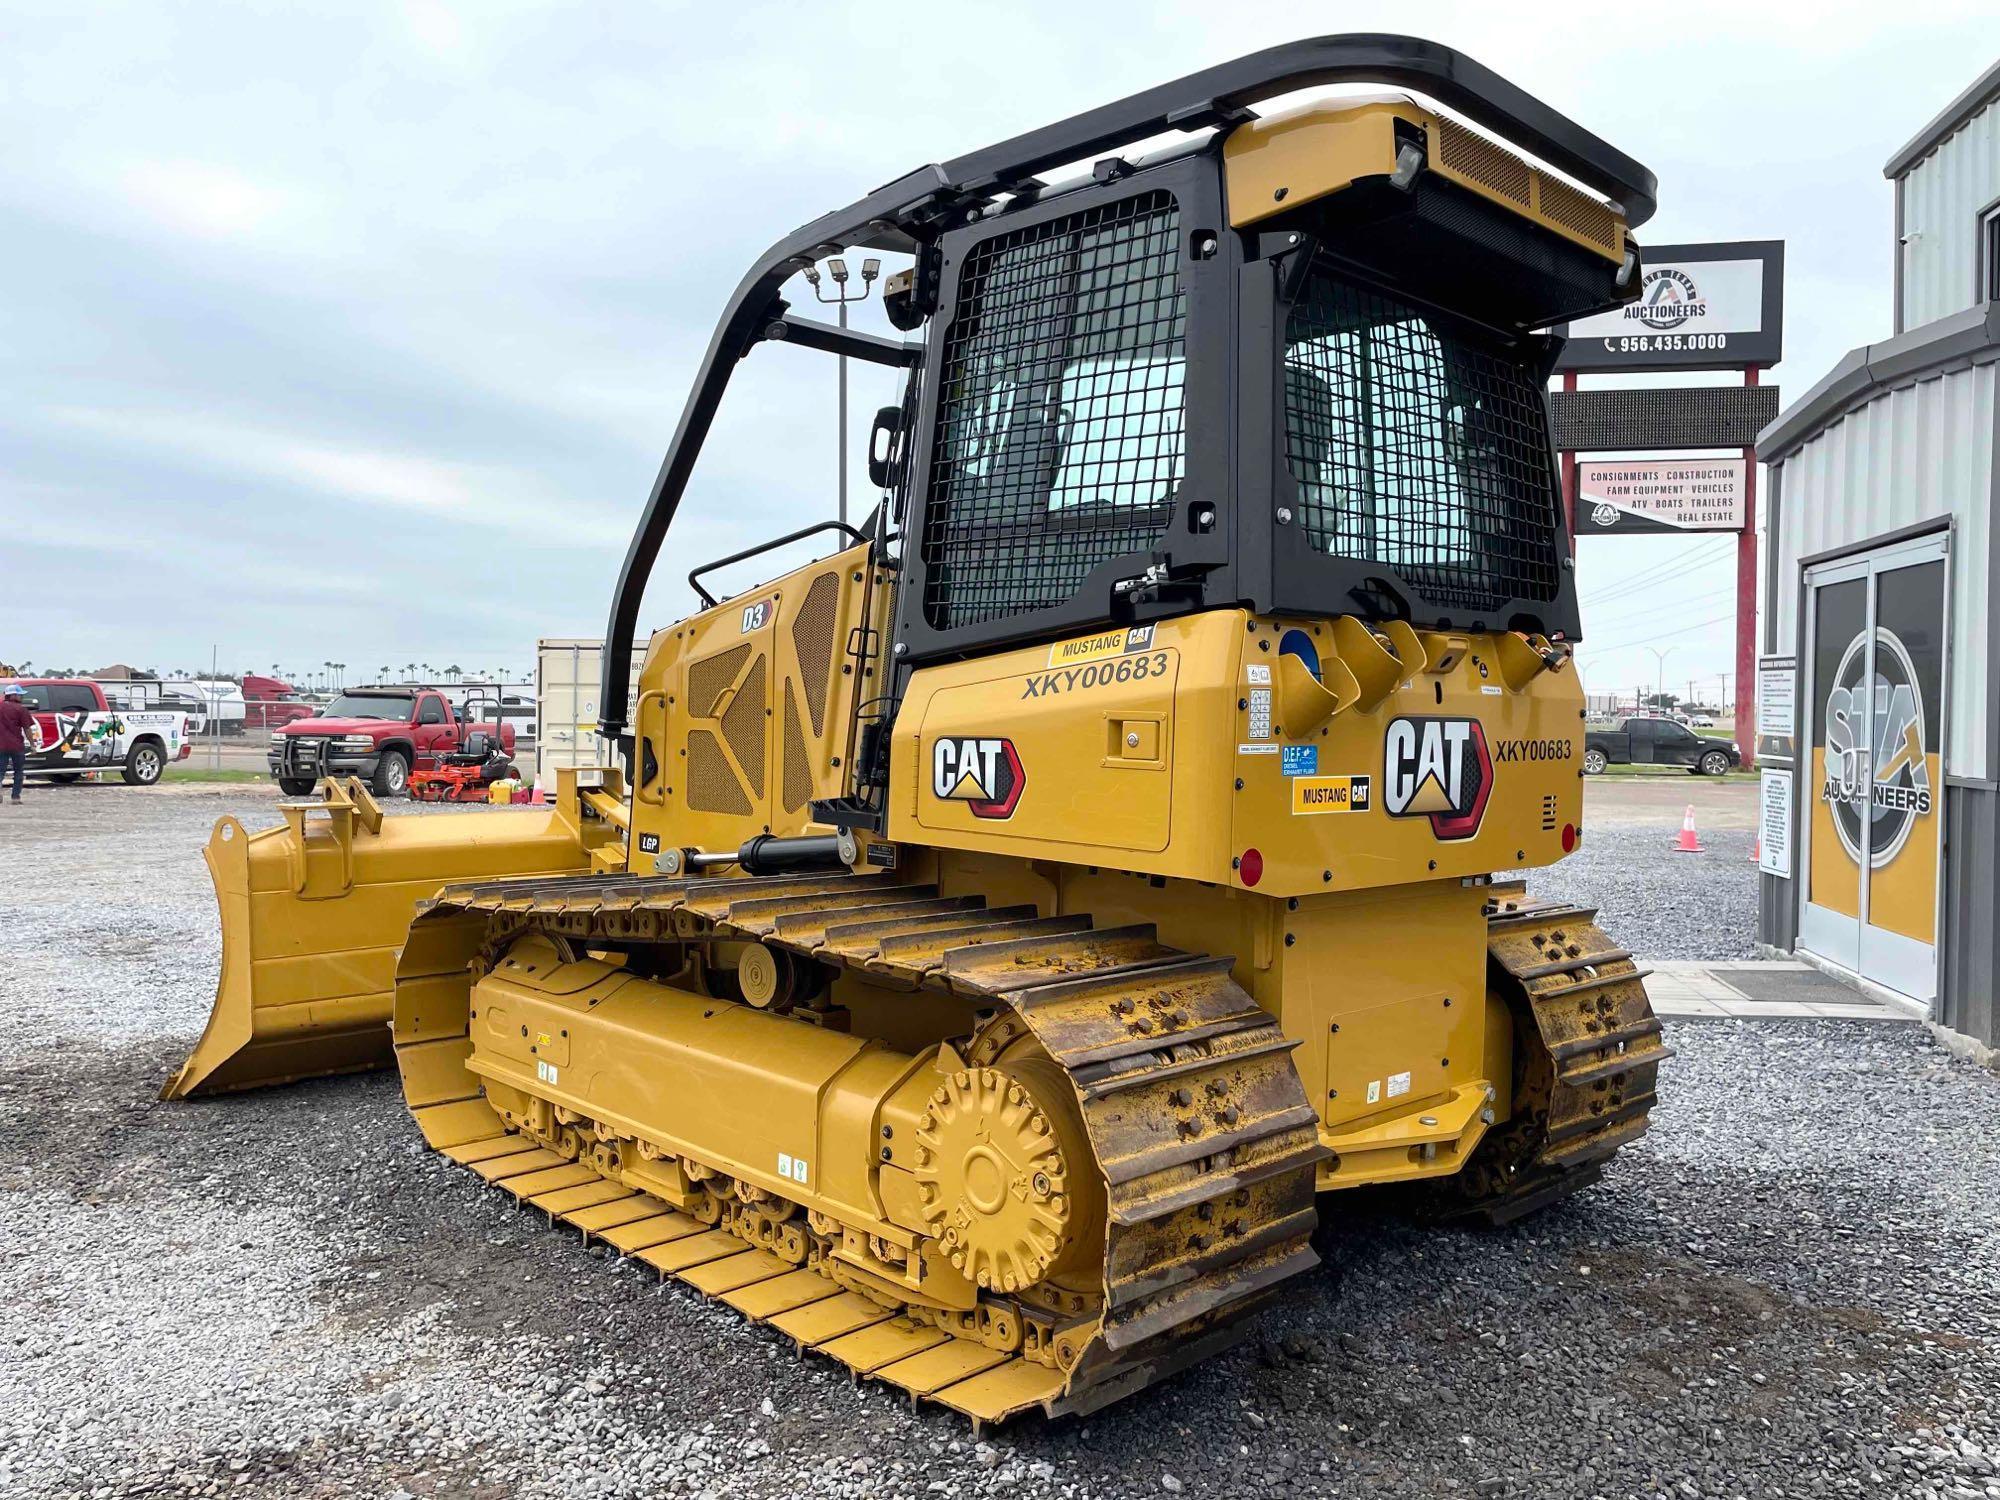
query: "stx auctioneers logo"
984, 773
1438, 769
1885, 783
1667, 299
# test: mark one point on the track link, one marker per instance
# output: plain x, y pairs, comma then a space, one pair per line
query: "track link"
1585, 1085
1196, 1116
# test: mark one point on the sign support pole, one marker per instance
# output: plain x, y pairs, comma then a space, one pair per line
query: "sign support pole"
1569, 473
1746, 606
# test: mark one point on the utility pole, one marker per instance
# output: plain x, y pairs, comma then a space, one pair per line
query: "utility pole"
1660, 691
837, 269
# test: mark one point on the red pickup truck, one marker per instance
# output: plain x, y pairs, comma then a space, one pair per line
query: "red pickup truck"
380, 734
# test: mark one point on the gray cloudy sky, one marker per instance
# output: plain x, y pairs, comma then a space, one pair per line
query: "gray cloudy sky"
357, 332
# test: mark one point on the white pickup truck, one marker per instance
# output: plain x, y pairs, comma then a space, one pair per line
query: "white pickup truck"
77, 730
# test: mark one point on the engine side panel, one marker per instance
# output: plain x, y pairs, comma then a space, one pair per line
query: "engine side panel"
1178, 749
746, 711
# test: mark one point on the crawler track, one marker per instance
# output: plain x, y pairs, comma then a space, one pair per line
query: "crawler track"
1200, 1127
1585, 1085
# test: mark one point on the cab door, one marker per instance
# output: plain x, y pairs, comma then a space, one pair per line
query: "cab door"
1676, 745
1640, 733
434, 733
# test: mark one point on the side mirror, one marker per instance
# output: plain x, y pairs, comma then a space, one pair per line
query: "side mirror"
885, 449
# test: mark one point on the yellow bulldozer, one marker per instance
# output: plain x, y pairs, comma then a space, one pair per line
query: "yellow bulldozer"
988, 946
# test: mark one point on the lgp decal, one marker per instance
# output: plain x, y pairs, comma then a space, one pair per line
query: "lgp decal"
1438, 769
985, 774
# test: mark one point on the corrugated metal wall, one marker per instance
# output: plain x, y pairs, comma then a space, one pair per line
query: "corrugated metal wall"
1911, 455
1966, 999
1942, 198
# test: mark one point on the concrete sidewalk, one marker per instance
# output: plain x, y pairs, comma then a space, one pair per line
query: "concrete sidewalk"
1750, 988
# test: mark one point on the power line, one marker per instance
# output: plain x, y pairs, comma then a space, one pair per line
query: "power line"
1662, 572
1640, 640
1627, 617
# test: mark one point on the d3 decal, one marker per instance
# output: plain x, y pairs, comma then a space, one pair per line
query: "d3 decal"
985, 774
1438, 769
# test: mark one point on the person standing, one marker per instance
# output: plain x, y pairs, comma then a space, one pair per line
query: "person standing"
17, 725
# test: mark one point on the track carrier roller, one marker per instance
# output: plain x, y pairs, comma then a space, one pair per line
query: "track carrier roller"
1202, 1136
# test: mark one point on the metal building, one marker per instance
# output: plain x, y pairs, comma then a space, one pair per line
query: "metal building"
1882, 805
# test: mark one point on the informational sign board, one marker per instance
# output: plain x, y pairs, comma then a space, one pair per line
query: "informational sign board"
1774, 824
1700, 307
1662, 494
1777, 707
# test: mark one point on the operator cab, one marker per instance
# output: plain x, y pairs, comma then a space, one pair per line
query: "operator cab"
1292, 364
1294, 367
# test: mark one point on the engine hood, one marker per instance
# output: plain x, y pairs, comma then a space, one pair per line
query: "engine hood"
339, 726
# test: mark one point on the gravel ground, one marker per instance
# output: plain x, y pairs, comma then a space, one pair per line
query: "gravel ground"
1658, 903
1788, 1288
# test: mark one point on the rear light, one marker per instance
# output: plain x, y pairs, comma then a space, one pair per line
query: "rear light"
1571, 835
1250, 868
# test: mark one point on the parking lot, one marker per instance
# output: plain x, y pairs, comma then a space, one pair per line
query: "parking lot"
1786, 1288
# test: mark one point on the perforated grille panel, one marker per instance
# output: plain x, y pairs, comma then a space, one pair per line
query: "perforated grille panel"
743, 724
712, 785
707, 678
798, 769
1480, 159
1580, 212
812, 639
1417, 447
1060, 431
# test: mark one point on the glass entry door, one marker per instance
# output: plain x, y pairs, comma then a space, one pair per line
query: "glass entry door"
1874, 668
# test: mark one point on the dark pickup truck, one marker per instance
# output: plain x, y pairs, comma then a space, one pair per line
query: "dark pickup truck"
1657, 742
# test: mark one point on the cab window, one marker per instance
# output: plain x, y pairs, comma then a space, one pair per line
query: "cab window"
72, 698
431, 711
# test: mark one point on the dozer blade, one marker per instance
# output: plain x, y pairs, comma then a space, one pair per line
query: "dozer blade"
313, 913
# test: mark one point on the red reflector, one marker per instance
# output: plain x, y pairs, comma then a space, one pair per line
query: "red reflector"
1251, 867
1570, 835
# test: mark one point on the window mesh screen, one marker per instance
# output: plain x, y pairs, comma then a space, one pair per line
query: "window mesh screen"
1060, 433
1418, 448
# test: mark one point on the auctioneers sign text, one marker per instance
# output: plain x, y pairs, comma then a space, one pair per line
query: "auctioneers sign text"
1700, 307
1662, 494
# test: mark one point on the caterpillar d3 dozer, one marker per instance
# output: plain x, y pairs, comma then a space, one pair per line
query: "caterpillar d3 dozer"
993, 939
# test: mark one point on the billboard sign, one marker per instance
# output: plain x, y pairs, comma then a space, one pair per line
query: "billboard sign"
1700, 307
1662, 495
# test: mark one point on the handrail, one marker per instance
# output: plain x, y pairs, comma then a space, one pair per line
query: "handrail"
770, 544
906, 214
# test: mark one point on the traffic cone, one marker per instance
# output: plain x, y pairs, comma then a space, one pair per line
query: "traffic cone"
1687, 843
1757, 850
